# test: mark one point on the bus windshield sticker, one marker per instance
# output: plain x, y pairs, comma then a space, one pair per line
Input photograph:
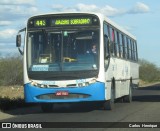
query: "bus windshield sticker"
40, 67
65, 33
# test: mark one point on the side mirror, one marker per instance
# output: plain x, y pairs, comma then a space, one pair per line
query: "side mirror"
18, 41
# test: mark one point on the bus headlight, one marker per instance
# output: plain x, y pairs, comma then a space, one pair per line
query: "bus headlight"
93, 81
86, 83
80, 84
34, 83
83, 84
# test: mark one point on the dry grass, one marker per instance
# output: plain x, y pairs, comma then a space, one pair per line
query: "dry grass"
144, 83
11, 97
11, 92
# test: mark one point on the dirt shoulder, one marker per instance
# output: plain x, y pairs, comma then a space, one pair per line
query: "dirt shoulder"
5, 115
144, 84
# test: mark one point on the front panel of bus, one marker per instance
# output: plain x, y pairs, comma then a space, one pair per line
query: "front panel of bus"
62, 58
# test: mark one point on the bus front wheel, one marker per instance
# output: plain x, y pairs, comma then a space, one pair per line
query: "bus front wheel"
109, 104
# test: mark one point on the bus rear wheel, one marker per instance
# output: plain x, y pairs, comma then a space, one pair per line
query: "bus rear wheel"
128, 98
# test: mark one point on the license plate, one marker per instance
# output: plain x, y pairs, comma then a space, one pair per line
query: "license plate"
62, 93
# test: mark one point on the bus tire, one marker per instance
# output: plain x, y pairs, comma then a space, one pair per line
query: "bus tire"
47, 107
109, 104
128, 98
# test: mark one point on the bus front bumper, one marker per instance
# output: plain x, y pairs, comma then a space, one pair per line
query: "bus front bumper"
93, 92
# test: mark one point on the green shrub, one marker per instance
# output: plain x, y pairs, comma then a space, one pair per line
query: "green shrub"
148, 71
11, 70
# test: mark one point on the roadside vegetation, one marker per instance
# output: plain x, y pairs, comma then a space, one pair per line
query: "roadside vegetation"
148, 72
11, 80
11, 70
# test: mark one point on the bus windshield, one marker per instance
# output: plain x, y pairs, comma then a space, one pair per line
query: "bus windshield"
63, 50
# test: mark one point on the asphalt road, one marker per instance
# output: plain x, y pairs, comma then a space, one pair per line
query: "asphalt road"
144, 108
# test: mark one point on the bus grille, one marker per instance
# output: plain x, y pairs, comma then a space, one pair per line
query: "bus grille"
53, 96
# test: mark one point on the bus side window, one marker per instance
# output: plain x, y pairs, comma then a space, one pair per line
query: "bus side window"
136, 54
132, 50
135, 51
116, 43
129, 49
106, 41
111, 31
125, 47
113, 41
120, 45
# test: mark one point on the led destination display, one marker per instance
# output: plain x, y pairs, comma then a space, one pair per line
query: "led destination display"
76, 21
57, 21
40, 23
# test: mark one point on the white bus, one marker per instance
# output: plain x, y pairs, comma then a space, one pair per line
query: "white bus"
77, 57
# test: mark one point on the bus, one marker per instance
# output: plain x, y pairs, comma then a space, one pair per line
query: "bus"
77, 57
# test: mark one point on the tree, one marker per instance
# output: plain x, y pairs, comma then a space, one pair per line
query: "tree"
148, 71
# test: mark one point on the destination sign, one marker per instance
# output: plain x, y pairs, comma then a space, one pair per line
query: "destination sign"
75, 21
58, 21
40, 23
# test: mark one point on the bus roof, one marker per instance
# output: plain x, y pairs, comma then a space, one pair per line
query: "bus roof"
101, 16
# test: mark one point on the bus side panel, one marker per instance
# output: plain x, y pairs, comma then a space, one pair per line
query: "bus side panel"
121, 70
94, 92
134, 74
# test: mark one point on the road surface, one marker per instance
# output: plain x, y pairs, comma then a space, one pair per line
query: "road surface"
144, 108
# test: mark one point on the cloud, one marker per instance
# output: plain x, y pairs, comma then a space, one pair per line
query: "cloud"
10, 12
17, 9
7, 33
17, 2
85, 8
139, 8
106, 10
111, 11
57, 7
5, 23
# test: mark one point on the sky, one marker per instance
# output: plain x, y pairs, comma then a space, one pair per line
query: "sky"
140, 17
